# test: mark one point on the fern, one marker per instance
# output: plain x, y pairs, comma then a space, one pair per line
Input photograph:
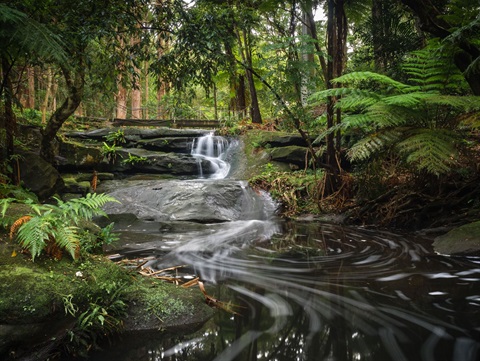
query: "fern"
58, 223
364, 76
418, 120
432, 150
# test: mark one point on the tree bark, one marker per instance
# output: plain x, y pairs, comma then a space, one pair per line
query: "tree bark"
75, 85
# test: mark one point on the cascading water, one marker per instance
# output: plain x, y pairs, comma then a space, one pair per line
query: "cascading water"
213, 149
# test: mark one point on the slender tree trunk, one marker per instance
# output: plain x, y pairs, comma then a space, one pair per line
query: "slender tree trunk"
48, 92
75, 84
240, 97
247, 58
136, 103
121, 101
10, 122
146, 92
31, 88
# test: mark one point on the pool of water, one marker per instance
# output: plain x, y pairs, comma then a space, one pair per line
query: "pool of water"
316, 291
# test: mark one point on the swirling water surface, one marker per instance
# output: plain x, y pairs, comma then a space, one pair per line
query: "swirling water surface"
316, 291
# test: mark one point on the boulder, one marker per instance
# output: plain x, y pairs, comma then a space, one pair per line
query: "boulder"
460, 241
76, 156
39, 176
290, 154
135, 160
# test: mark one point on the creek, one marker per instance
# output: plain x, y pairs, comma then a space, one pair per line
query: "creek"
301, 290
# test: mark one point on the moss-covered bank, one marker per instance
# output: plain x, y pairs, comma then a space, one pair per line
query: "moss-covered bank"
68, 305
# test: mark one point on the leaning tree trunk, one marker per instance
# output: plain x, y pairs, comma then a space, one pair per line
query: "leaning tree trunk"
75, 84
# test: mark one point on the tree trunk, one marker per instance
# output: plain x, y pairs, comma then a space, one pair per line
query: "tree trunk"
10, 123
336, 48
377, 32
247, 57
121, 101
136, 103
48, 91
31, 88
75, 84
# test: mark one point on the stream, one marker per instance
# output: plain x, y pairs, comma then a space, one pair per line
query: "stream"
301, 290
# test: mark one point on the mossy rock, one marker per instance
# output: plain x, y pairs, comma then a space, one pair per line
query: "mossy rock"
462, 240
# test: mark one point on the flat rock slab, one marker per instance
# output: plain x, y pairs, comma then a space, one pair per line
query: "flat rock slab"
132, 133
194, 201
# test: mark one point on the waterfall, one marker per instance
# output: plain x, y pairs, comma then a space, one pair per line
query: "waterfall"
213, 149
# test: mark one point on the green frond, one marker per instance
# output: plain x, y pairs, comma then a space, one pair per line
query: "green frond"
407, 100
462, 103
431, 150
34, 234
373, 144
386, 116
363, 122
362, 76
87, 207
357, 102
322, 95
68, 238
58, 223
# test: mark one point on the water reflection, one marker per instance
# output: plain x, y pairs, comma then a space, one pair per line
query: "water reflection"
323, 292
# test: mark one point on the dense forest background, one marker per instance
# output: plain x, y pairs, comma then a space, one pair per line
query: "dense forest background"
385, 93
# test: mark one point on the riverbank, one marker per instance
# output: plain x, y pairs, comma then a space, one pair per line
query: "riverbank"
64, 306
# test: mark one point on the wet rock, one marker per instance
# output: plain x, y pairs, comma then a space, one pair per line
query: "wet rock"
133, 134
194, 201
174, 144
39, 176
461, 240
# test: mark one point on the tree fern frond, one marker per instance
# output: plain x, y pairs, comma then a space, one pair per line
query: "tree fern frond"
356, 103
373, 144
431, 150
362, 121
387, 116
361, 76
322, 95
407, 100
464, 103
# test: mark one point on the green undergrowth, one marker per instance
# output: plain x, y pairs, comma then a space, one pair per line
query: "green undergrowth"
297, 191
92, 291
